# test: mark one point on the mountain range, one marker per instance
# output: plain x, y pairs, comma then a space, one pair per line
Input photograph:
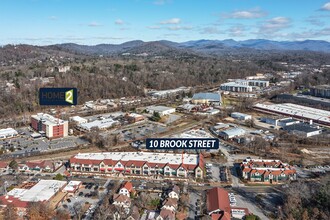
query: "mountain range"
206, 47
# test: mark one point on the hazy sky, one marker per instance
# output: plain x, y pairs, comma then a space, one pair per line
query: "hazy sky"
43, 22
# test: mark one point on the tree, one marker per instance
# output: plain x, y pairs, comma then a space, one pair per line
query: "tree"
10, 212
58, 177
61, 214
39, 211
13, 165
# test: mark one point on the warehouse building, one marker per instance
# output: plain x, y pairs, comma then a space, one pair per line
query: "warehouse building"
303, 129
78, 120
280, 121
52, 127
101, 124
162, 110
241, 116
139, 163
296, 111
321, 91
207, 98
232, 133
8, 133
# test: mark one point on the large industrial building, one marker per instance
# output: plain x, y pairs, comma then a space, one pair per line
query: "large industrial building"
162, 110
321, 91
8, 133
52, 127
243, 85
139, 163
235, 87
207, 98
303, 129
296, 111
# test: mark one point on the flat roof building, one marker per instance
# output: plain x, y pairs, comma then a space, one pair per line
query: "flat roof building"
162, 110
8, 133
241, 116
139, 163
53, 127
321, 91
296, 111
231, 133
235, 87
303, 129
78, 119
100, 124
207, 98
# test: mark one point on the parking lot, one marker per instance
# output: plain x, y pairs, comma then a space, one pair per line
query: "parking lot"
195, 204
216, 173
87, 196
24, 144
141, 131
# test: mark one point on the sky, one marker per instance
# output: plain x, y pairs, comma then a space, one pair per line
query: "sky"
90, 22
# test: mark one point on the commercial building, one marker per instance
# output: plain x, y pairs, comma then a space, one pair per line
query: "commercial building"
207, 98
78, 120
133, 117
217, 204
72, 187
52, 127
270, 171
303, 129
101, 124
321, 91
296, 111
8, 133
232, 133
45, 191
162, 110
139, 163
235, 87
282, 122
241, 116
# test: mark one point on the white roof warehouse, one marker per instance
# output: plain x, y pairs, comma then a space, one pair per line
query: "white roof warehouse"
7, 133
297, 111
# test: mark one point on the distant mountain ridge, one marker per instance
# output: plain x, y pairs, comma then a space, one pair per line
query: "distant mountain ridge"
206, 47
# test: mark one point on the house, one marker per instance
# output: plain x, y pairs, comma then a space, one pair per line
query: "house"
135, 215
217, 204
174, 192
170, 204
121, 200
3, 166
38, 166
166, 214
126, 189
